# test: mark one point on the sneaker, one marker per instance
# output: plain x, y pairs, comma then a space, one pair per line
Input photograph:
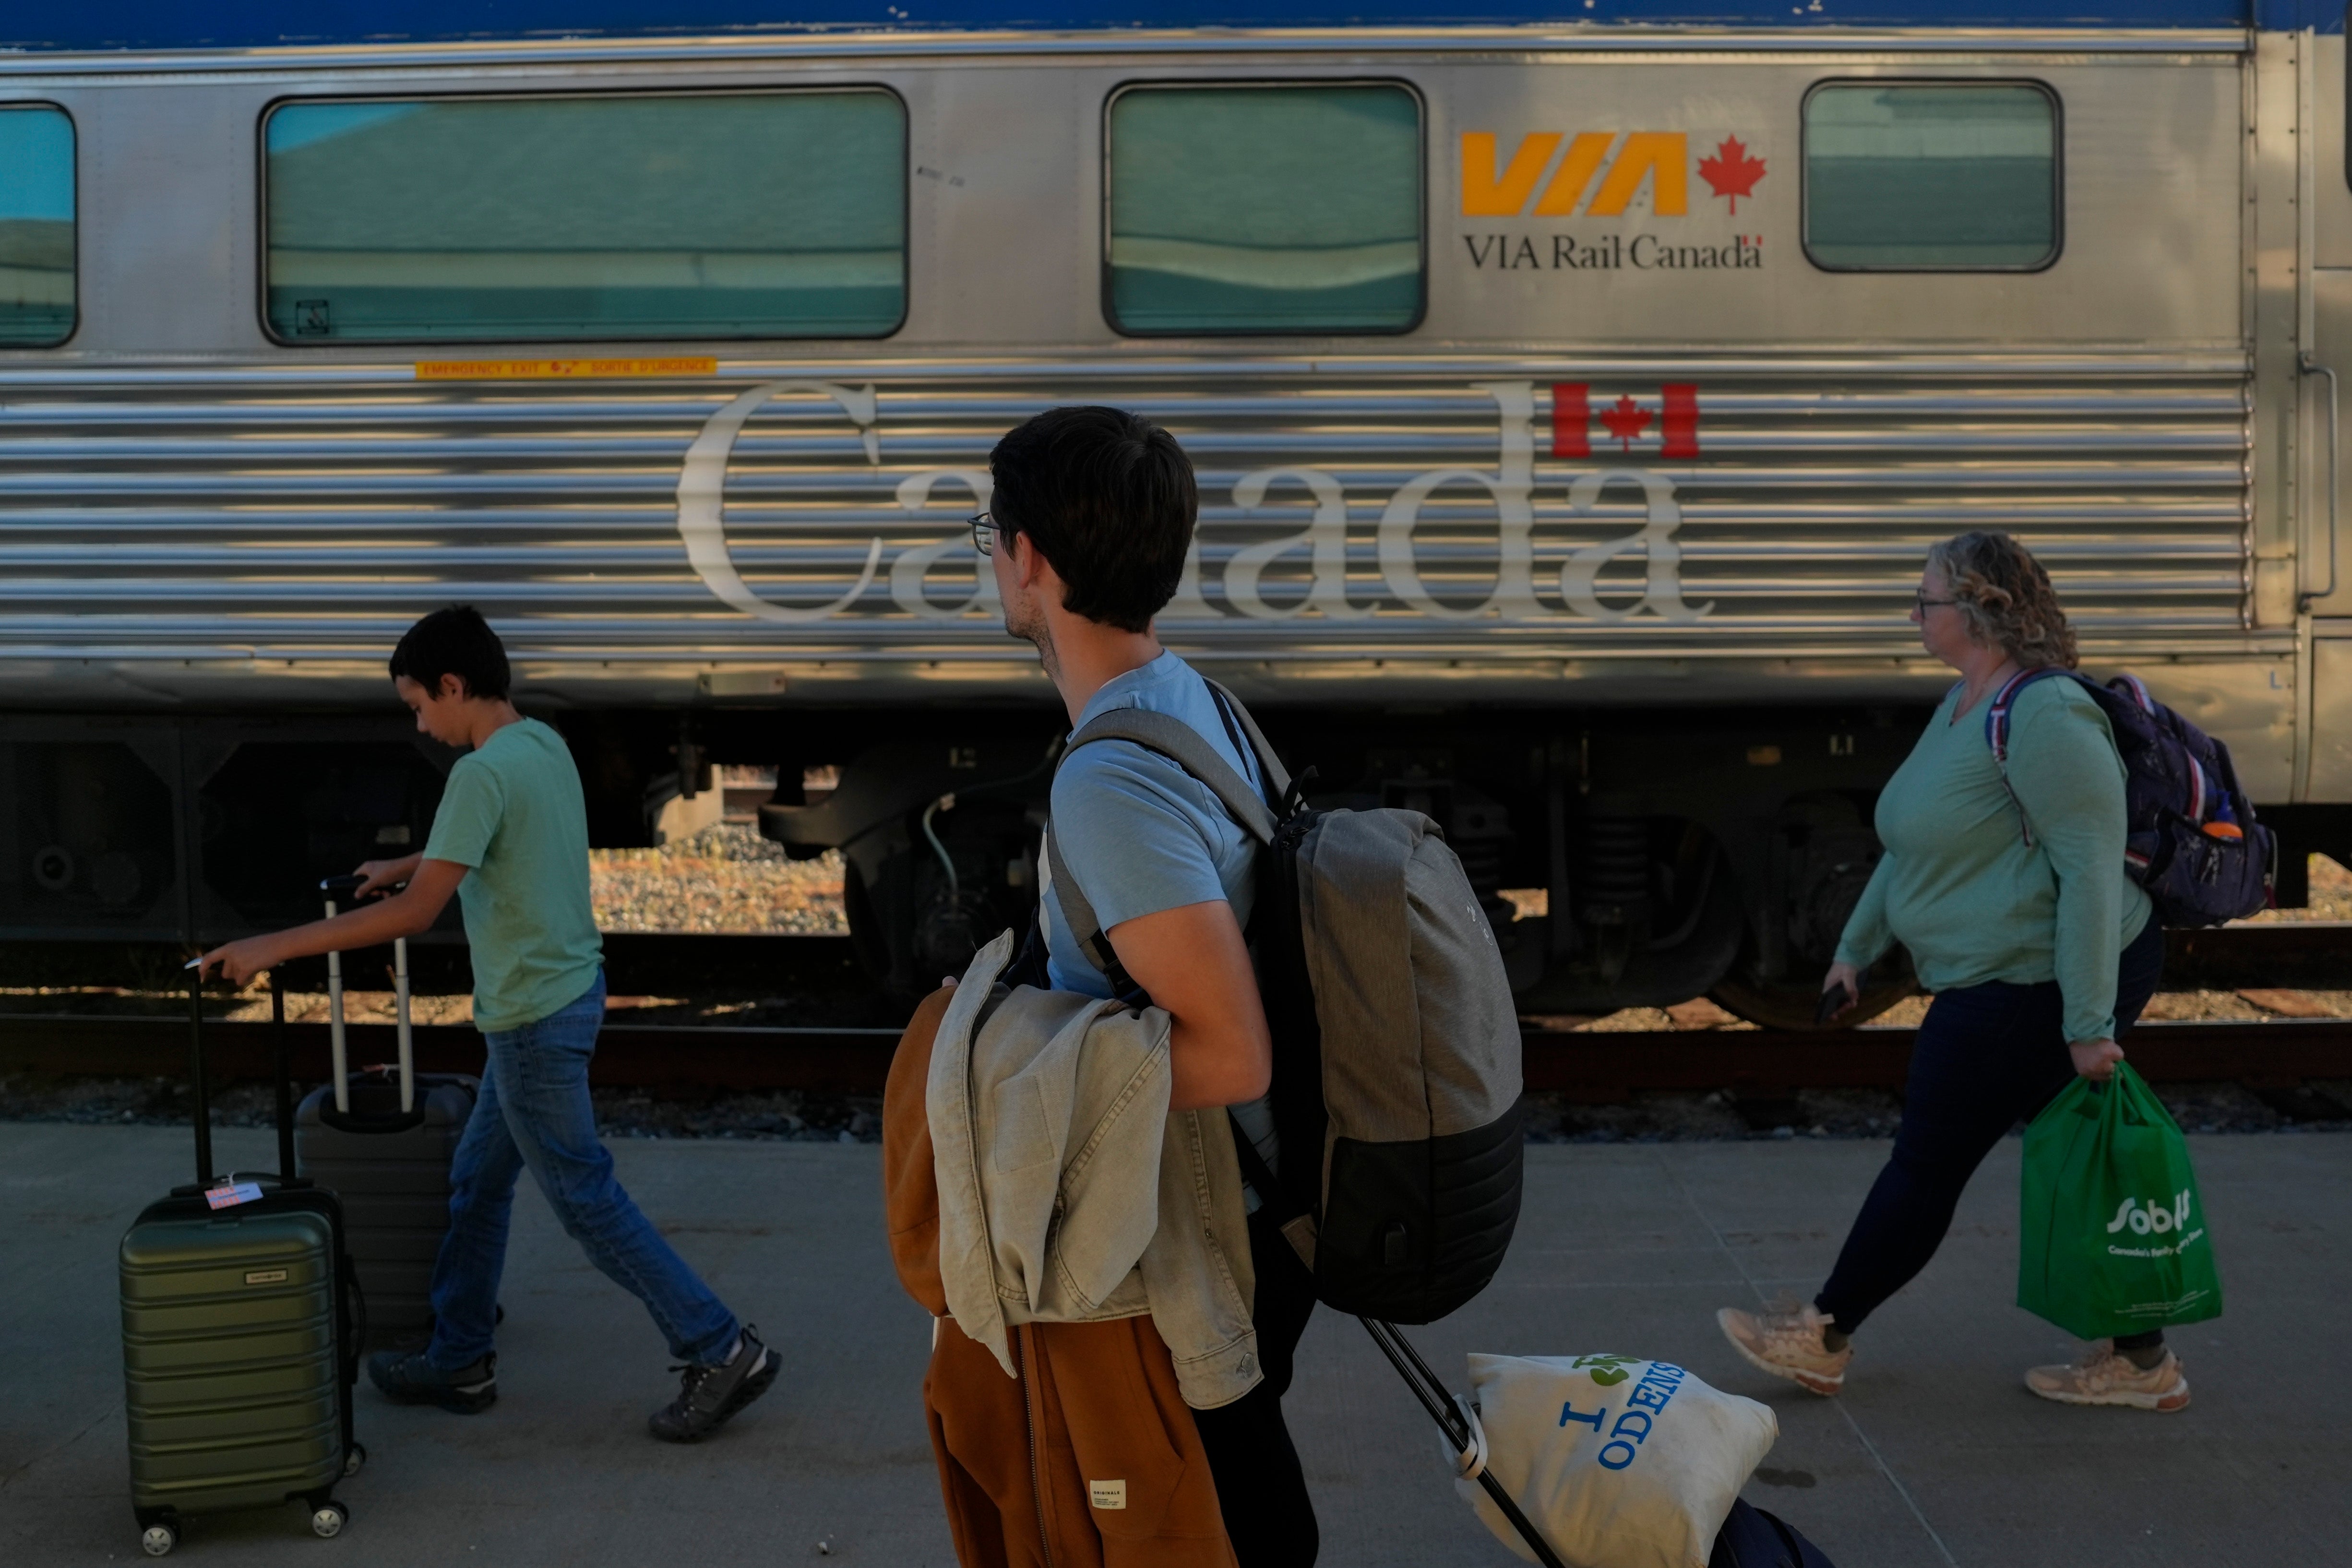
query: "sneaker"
1785, 1340
2106, 1377
709, 1396
408, 1377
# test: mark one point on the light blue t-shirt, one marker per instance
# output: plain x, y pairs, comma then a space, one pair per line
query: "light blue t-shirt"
1139, 833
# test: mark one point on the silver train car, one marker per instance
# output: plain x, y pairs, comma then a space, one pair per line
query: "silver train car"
1573, 403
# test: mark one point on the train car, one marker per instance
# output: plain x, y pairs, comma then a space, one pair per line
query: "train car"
1574, 389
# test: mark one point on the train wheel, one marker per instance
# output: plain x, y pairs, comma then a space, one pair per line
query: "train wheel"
1793, 1006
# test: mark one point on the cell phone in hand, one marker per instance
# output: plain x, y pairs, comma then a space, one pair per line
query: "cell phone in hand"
1834, 1000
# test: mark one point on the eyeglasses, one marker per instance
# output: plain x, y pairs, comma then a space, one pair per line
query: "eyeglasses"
1918, 597
984, 530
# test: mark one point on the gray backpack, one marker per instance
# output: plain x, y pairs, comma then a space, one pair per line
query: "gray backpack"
1396, 1042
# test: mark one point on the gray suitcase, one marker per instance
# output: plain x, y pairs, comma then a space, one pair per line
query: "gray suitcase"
381, 1140
241, 1325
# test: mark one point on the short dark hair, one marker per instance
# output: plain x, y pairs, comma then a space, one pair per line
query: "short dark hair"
453, 642
1107, 497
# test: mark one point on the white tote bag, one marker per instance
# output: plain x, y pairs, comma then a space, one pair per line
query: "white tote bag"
1619, 1463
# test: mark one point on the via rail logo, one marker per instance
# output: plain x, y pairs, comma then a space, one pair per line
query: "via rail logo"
1619, 426
1601, 174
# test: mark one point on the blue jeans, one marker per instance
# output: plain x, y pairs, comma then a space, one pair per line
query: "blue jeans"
534, 1111
1987, 1057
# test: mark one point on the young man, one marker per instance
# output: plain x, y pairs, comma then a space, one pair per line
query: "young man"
510, 839
1091, 521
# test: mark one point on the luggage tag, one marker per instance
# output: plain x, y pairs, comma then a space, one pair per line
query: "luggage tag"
229, 1193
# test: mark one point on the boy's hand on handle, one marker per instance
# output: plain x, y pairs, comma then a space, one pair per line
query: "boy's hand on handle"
380, 878
240, 961
1842, 978
431, 884
2096, 1059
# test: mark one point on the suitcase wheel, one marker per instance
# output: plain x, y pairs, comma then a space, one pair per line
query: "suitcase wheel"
327, 1520
157, 1540
353, 1459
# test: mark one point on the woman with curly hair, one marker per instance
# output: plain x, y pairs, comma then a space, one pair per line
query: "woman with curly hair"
2040, 955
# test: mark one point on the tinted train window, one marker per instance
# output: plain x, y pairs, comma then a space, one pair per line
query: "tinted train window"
725, 215
37, 226
1933, 177
1264, 209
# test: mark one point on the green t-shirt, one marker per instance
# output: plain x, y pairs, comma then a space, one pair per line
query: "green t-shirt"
513, 811
1959, 887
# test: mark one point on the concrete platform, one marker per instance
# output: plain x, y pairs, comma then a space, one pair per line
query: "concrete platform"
1935, 1455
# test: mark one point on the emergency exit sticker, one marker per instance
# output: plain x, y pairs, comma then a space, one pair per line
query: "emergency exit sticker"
558, 370
228, 1194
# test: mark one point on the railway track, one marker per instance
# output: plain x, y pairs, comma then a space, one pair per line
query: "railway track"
2312, 954
1591, 1065
1581, 1065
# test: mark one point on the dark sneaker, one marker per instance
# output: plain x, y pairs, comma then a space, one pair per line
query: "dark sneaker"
407, 1376
709, 1396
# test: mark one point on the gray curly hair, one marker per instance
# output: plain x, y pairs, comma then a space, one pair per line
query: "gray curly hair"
2006, 598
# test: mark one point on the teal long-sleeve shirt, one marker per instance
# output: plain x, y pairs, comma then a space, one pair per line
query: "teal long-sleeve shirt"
1959, 888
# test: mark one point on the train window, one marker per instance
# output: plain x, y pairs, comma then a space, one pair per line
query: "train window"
1931, 176
773, 214
37, 226
1264, 208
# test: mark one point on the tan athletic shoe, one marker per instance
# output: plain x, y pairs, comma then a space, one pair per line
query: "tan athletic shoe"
2103, 1377
1785, 1340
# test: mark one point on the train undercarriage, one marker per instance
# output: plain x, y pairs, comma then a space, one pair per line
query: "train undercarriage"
1625, 858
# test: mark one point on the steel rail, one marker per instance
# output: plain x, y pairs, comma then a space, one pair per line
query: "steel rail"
1585, 1065
2305, 954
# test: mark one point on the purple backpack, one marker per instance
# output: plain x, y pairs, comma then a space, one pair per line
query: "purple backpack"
2192, 841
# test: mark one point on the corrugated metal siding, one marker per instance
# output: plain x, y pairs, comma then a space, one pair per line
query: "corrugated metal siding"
192, 514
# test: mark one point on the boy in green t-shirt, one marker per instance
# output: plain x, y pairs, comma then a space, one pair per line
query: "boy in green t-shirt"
510, 839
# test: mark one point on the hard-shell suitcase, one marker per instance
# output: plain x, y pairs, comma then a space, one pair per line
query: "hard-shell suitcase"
381, 1140
241, 1326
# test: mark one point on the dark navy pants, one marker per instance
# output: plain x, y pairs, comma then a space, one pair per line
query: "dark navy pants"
1261, 1486
1987, 1057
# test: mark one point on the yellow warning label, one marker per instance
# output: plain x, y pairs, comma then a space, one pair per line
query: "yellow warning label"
556, 370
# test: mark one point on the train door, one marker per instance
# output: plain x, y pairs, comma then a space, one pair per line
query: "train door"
2322, 524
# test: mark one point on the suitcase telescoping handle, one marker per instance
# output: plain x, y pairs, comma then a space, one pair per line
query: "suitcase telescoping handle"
1456, 1424
201, 1085
197, 1074
336, 887
282, 1068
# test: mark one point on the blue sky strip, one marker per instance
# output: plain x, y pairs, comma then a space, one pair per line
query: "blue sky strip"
46, 24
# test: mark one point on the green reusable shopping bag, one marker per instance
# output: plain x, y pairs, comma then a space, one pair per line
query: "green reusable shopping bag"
2114, 1239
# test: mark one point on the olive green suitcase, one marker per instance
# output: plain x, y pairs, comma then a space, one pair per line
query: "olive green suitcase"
241, 1324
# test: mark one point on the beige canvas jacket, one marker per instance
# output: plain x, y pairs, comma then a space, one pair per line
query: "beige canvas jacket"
1070, 1193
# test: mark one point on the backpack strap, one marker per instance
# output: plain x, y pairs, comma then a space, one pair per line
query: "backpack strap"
1079, 915
1269, 765
1997, 717
1298, 1226
2135, 688
1181, 744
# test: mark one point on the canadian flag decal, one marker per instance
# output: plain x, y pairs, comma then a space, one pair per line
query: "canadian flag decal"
1624, 420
